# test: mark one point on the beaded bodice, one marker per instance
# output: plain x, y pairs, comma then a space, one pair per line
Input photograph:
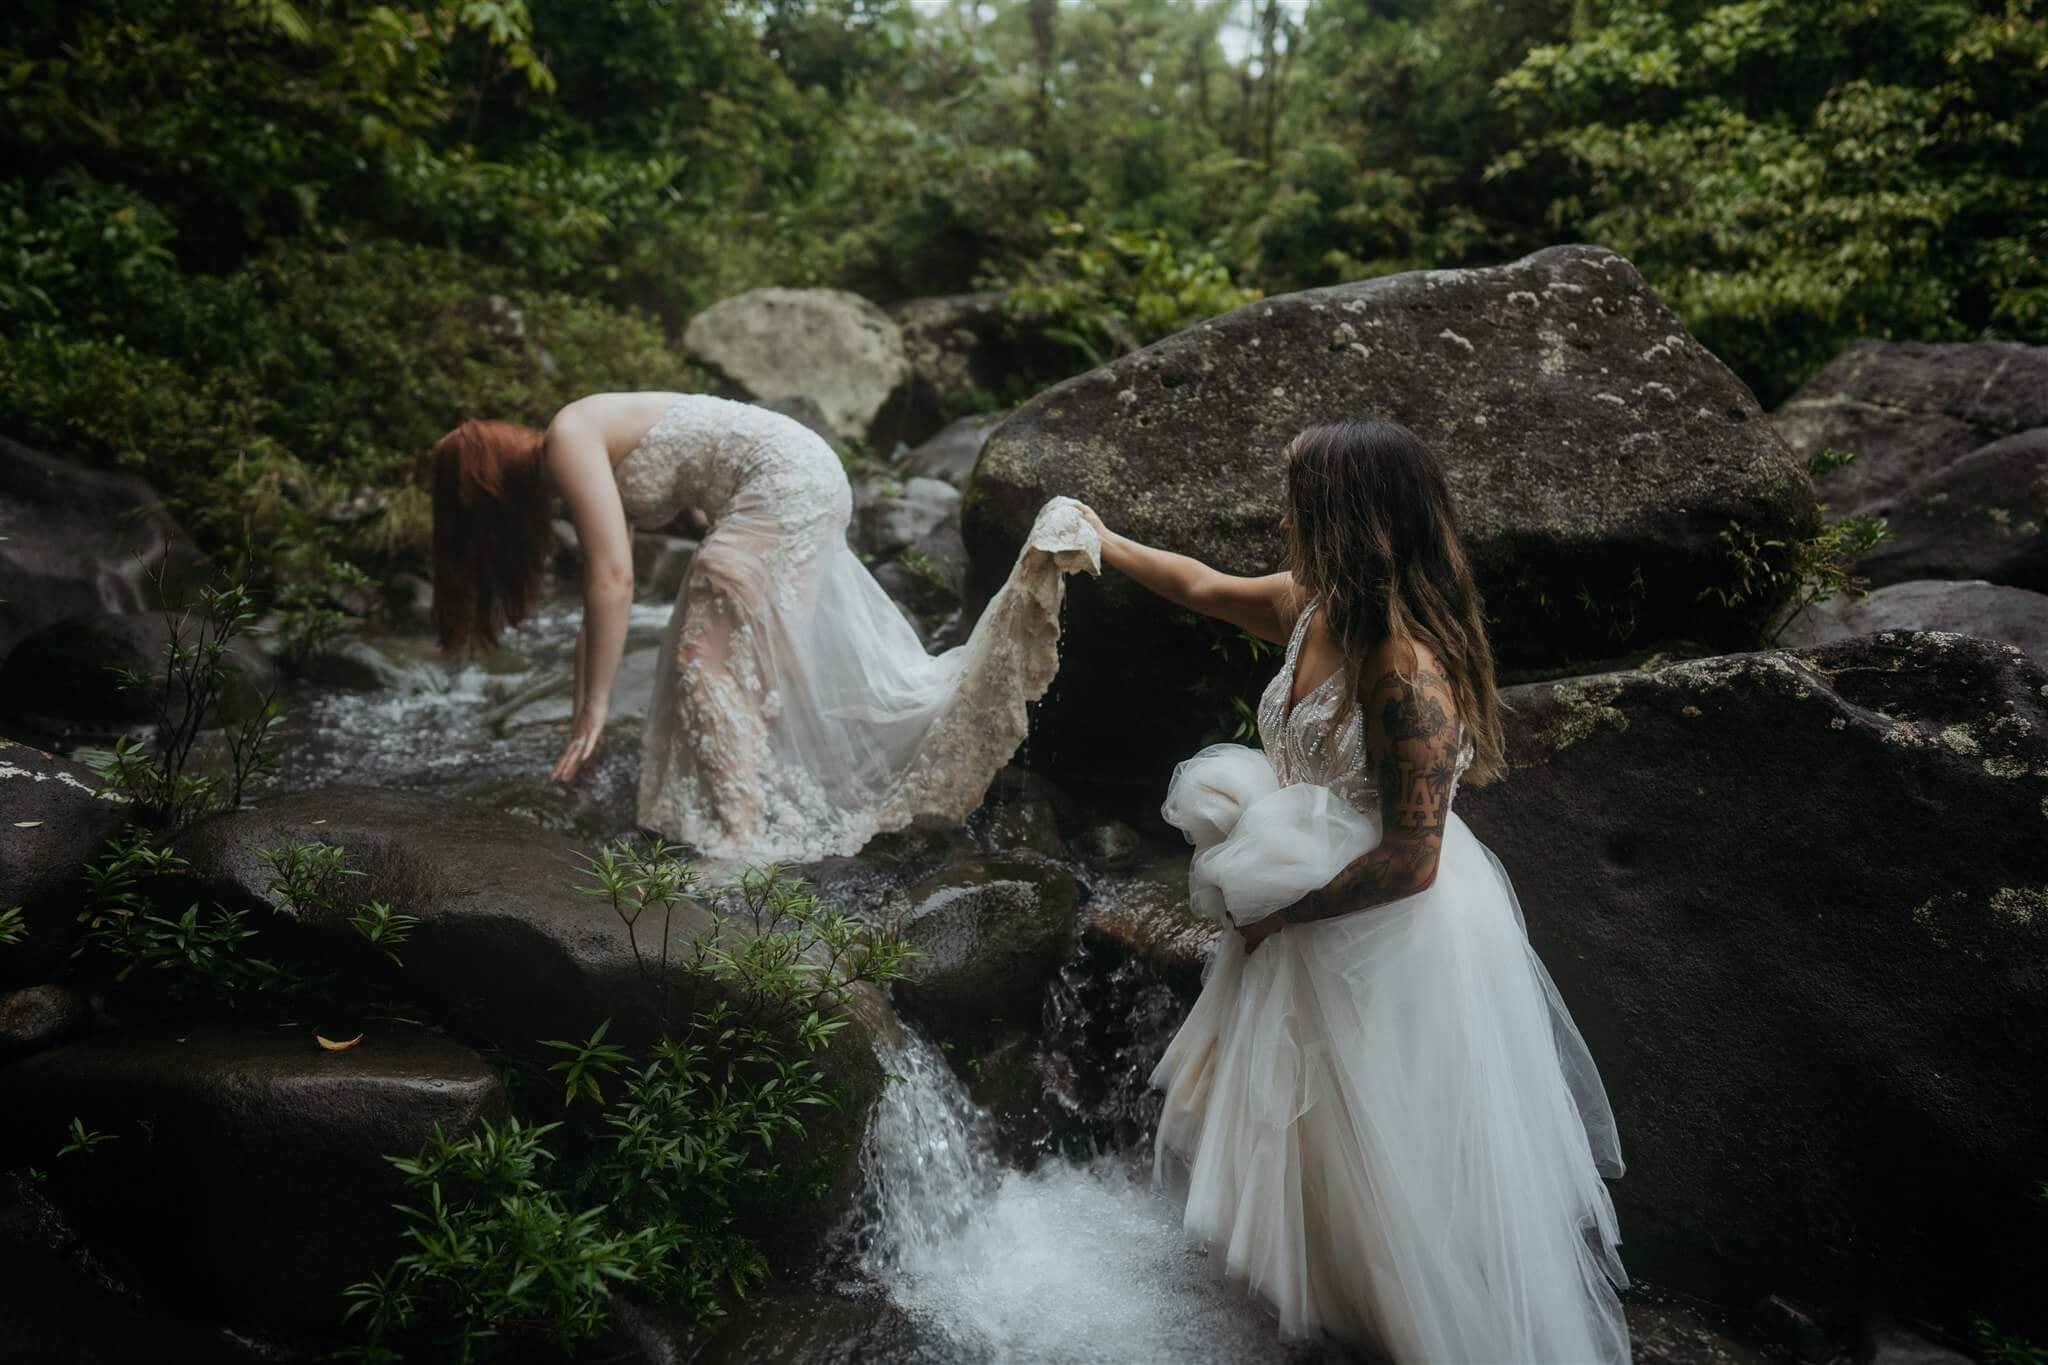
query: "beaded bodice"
1321, 740
705, 451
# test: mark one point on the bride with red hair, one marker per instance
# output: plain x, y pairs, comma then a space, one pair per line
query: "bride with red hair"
796, 714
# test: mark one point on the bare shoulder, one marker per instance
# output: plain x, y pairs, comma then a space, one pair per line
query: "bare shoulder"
1407, 694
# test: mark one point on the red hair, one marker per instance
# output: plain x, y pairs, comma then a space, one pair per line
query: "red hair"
490, 530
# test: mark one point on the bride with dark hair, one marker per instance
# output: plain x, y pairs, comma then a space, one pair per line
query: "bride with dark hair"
1392, 1131
796, 714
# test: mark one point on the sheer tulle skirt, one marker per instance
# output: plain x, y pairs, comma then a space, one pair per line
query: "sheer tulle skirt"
796, 714
1392, 1129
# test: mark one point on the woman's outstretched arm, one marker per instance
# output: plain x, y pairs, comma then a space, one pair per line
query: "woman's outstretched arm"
1265, 605
582, 473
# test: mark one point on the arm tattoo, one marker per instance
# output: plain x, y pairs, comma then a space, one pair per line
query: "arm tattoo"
1412, 737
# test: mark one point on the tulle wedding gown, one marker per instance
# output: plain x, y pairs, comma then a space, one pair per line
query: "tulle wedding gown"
796, 714
1393, 1132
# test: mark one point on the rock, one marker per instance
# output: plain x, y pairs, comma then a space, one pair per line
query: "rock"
834, 348
366, 663
1667, 1331
510, 947
1595, 452
76, 540
36, 1017
409, 599
809, 414
896, 521
659, 564
951, 455
1013, 827
965, 351
2013, 615
1111, 845
1795, 902
63, 678
223, 1144
1894, 1343
799, 1326
992, 934
1908, 410
1984, 515
54, 819
553, 704
923, 593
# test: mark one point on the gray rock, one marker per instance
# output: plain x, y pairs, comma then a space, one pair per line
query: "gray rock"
364, 663
1894, 1343
2013, 615
1111, 845
966, 350
1025, 826
63, 678
894, 518
1666, 1331
76, 540
1792, 900
55, 817
1594, 450
552, 703
809, 414
992, 934
834, 348
1908, 410
660, 563
36, 1017
409, 599
245, 1171
510, 947
952, 454
1984, 515
797, 1326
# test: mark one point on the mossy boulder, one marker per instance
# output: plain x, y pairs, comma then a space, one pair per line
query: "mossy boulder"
1798, 904
1596, 453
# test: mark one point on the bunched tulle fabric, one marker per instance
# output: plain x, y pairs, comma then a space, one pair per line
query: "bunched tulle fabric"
1391, 1130
796, 714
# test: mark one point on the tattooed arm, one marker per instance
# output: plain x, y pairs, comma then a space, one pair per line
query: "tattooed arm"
1412, 739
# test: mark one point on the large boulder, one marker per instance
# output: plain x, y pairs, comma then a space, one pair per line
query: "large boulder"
55, 817
1596, 453
1908, 410
509, 946
2014, 615
35, 1017
1798, 904
74, 539
244, 1170
834, 348
67, 678
1984, 515
964, 350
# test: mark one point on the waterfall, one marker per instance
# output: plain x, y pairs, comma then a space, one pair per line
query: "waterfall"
1072, 1264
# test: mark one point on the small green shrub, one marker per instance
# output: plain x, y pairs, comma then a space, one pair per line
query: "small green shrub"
1802, 572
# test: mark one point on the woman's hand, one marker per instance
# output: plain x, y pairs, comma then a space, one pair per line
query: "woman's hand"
586, 731
1088, 514
1261, 929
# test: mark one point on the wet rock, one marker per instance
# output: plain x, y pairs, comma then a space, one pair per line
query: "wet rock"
900, 519
1013, 827
365, 663
509, 947
1894, 1343
1664, 1330
923, 592
1795, 902
409, 600
965, 350
75, 540
54, 818
1008, 1081
550, 704
63, 679
1111, 845
834, 348
951, 455
659, 564
1908, 410
991, 935
243, 1171
1984, 515
2013, 615
1595, 452
35, 1017
797, 1326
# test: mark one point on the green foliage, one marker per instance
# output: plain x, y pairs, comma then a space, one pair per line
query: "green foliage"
527, 1229
1104, 292
13, 926
1799, 573
83, 1139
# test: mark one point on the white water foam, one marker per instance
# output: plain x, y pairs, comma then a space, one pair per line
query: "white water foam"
1068, 1265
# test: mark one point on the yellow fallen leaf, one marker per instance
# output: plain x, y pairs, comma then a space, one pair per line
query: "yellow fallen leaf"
26, 824
333, 1046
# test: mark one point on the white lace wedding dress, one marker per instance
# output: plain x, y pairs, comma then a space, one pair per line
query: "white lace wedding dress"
796, 714
1393, 1132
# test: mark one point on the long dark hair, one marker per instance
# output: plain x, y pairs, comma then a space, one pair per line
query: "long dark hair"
1374, 538
490, 530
